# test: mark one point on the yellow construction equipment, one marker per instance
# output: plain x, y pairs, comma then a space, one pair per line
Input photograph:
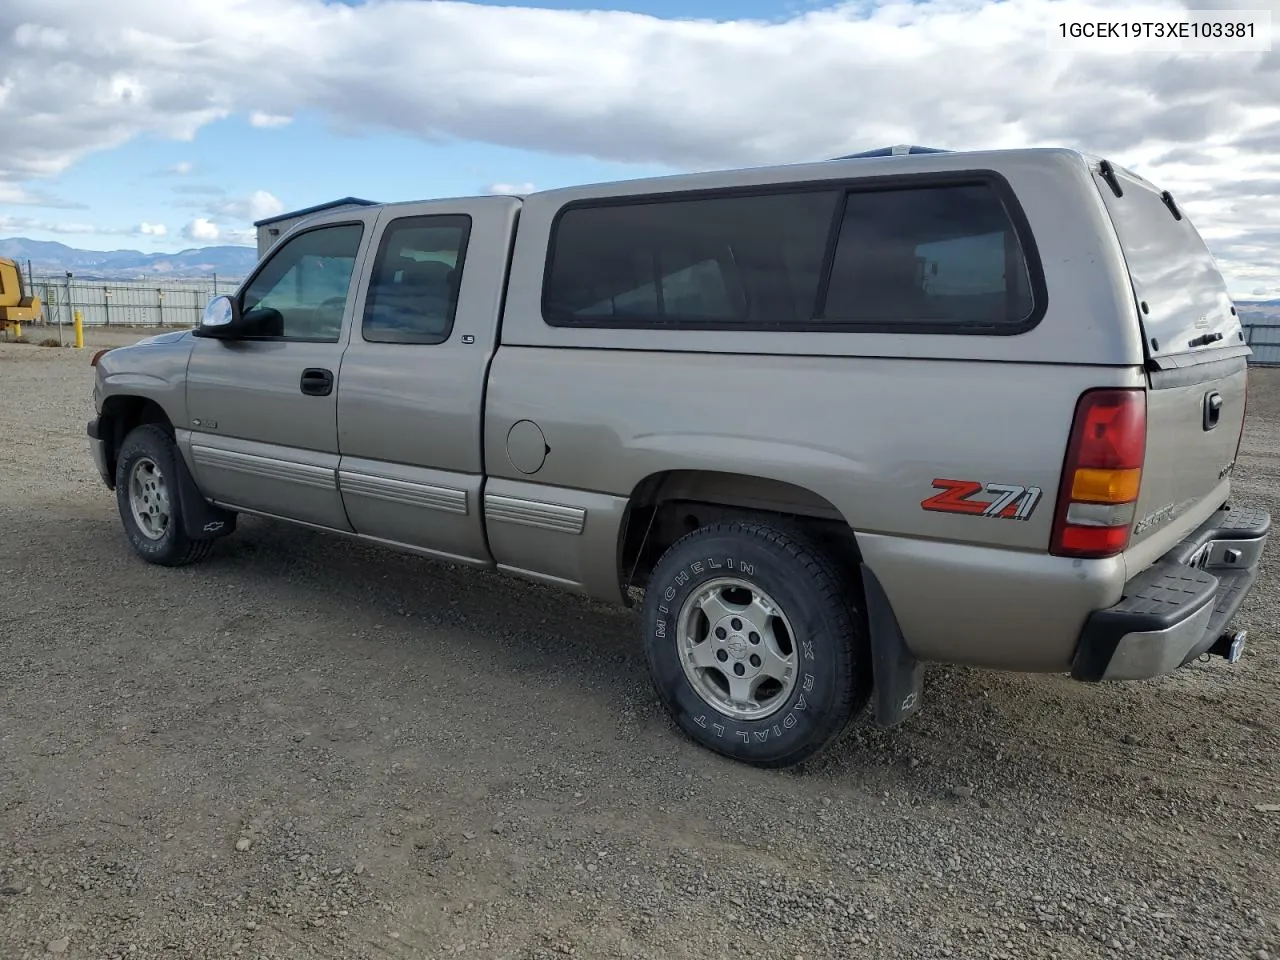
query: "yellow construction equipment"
15, 306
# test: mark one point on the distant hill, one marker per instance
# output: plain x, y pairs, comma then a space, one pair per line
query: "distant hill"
1256, 310
50, 257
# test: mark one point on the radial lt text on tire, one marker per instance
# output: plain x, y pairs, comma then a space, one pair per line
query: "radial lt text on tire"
756, 643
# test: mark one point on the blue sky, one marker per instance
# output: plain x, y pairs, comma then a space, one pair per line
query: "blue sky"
158, 181
167, 125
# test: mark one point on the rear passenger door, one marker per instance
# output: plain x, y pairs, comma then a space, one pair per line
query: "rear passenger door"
411, 393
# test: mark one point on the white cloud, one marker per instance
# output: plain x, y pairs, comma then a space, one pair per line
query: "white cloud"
18, 225
635, 88
153, 229
30, 36
266, 120
510, 189
25, 225
182, 169
201, 230
229, 220
12, 193
256, 206
17, 195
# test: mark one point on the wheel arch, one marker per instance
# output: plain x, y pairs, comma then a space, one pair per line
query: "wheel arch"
667, 504
122, 413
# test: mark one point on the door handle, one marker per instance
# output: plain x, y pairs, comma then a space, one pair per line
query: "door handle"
1212, 409
317, 382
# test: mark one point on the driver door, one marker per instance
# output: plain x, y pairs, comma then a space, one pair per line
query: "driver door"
263, 431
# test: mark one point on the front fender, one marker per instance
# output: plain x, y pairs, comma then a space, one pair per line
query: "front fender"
152, 370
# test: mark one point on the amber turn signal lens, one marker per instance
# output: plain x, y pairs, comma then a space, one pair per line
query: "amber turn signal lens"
1106, 486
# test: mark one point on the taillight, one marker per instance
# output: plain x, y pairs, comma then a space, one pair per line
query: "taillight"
1102, 474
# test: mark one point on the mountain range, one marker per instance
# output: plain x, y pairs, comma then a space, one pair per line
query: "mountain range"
1255, 310
231, 261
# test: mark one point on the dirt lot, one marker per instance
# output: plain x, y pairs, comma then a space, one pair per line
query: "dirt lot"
306, 748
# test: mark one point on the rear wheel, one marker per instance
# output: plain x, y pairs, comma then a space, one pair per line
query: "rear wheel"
148, 501
756, 646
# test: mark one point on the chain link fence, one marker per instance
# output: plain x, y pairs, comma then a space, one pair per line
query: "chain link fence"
135, 303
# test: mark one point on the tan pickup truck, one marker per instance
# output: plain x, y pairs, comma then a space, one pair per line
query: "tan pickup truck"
831, 421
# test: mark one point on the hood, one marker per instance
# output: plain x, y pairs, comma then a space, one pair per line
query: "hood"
173, 336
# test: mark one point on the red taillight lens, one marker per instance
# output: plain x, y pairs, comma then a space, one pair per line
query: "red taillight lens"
1102, 474
1111, 430
1092, 541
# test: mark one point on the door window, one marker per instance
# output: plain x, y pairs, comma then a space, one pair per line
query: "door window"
307, 282
413, 294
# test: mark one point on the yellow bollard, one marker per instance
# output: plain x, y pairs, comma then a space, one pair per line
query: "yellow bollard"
79, 322
17, 330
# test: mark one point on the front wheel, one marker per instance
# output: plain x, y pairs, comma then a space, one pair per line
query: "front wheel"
148, 501
755, 643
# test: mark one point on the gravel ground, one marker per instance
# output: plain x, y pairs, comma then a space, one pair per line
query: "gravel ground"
301, 748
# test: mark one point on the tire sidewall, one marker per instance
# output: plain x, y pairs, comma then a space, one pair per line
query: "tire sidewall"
816, 708
149, 444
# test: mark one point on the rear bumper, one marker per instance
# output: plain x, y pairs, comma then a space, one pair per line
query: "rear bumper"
98, 447
1176, 609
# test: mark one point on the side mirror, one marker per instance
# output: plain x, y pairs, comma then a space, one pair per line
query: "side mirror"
222, 320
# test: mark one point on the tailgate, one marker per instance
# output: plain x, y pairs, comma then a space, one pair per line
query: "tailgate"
1189, 455
1197, 359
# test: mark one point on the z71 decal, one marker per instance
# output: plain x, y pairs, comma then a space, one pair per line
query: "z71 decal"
1011, 501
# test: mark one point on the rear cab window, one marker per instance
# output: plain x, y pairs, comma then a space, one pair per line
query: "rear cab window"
921, 256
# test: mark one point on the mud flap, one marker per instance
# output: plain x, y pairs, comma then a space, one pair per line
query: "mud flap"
898, 675
200, 518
